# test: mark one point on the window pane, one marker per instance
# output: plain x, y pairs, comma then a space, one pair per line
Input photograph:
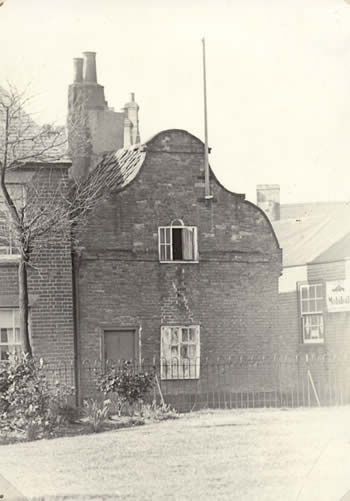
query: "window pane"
167, 235
304, 306
319, 291
174, 351
3, 336
192, 351
304, 293
184, 335
174, 336
312, 291
184, 351
174, 369
168, 253
188, 244
6, 318
312, 306
192, 334
163, 253
313, 327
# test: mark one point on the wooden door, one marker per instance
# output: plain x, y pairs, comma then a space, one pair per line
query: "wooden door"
120, 345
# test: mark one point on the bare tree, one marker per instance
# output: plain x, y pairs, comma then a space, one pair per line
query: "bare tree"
34, 211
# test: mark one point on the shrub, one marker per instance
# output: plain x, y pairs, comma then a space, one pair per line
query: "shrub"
96, 413
28, 402
129, 386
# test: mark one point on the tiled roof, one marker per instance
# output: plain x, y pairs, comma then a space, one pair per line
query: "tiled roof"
117, 169
305, 239
32, 142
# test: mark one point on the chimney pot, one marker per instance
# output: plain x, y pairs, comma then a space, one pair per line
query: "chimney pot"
132, 97
90, 67
78, 69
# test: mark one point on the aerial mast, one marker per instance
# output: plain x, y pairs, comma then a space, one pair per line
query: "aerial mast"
208, 196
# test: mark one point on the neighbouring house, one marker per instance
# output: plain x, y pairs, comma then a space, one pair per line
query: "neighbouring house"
49, 276
314, 289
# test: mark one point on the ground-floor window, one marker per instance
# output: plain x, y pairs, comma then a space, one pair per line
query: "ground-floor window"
312, 310
180, 352
10, 343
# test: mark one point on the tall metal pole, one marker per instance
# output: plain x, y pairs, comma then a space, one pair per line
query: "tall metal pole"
206, 162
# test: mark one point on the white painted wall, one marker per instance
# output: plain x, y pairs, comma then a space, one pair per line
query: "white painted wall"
288, 281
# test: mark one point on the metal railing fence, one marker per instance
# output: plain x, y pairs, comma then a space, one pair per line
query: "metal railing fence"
238, 382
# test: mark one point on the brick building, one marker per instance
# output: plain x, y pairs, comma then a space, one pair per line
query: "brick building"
314, 289
167, 274
49, 276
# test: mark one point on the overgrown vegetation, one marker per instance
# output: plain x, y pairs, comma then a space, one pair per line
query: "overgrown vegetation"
125, 385
33, 405
29, 403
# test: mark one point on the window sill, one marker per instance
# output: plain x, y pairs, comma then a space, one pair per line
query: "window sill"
179, 262
9, 259
313, 343
189, 378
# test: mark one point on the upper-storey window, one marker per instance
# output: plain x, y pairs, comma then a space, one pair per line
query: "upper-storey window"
7, 242
311, 309
177, 242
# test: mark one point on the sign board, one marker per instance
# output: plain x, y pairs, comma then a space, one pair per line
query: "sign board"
338, 295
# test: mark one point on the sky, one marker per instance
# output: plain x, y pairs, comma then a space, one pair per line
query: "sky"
278, 78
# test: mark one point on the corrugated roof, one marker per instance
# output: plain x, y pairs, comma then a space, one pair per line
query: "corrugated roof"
306, 209
304, 239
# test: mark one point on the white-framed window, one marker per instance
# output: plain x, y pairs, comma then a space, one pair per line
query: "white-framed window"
311, 310
10, 343
7, 242
177, 242
180, 352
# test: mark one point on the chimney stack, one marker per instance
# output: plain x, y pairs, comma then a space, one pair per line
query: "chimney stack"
131, 122
268, 199
78, 69
90, 67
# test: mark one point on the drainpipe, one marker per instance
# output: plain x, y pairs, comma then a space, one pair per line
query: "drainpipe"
76, 324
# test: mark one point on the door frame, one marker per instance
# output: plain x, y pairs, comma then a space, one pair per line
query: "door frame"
136, 329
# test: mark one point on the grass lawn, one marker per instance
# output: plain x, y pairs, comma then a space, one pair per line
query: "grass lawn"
262, 454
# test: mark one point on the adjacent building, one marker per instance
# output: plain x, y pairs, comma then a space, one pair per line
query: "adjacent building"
314, 288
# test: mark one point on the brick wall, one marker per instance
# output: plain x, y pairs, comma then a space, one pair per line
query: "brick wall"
49, 282
231, 292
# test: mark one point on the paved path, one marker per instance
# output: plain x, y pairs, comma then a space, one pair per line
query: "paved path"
8, 491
